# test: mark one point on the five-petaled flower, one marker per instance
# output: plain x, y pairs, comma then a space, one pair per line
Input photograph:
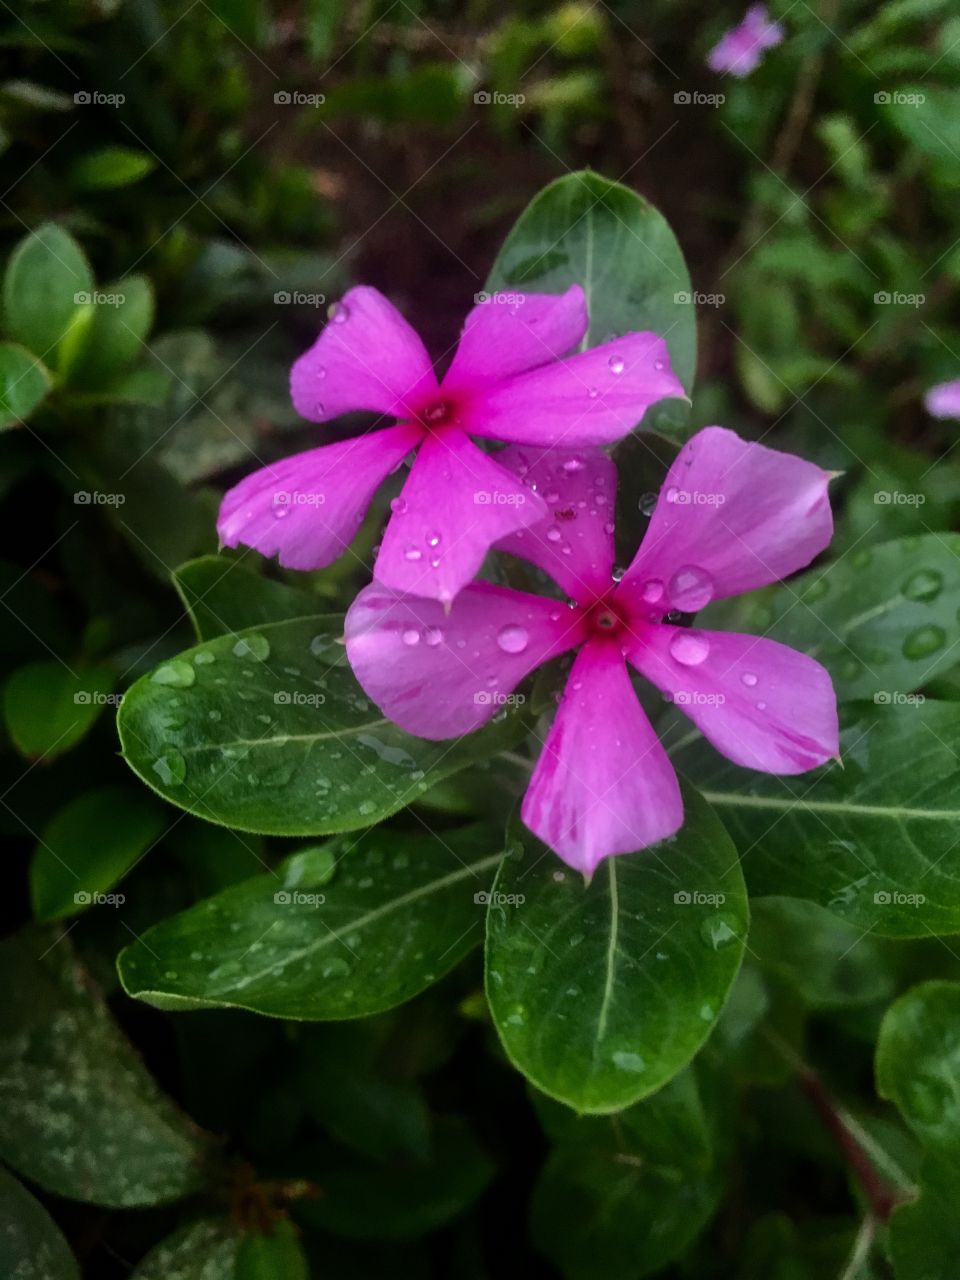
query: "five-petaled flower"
603, 783
510, 379
741, 49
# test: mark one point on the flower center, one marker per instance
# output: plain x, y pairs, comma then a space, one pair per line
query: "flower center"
604, 619
437, 414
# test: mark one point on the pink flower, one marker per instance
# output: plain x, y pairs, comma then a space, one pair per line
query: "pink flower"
731, 517
740, 51
508, 381
943, 400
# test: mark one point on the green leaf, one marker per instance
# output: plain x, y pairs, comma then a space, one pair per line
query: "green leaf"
46, 282
883, 620
48, 708
398, 913
109, 168
116, 335
88, 846
918, 1063
24, 383
878, 835
205, 1250
829, 963
601, 1209
267, 1255
584, 229
31, 1246
603, 993
223, 596
79, 1115
400, 1200
269, 731
925, 1234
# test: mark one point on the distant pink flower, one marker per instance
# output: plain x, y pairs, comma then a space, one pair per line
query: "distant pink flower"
740, 51
943, 400
507, 381
731, 517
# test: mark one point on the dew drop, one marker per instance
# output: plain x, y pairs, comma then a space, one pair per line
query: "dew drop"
411, 636
720, 930
433, 539
689, 648
512, 639
253, 646
658, 365
335, 967
398, 506
178, 673
554, 534
340, 313
925, 584
573, 464
924, 641
413, 553
616, 364
170, 767
432, 636
652, 591
749, 679
691, 589
647, 504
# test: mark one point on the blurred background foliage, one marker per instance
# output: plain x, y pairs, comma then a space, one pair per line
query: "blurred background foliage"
180, 155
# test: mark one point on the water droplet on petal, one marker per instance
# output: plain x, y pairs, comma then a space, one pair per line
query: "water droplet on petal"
689, 648
647, 504
749, 679
339, 313
652, 591
413, 553
658, 365
573, 464
616, 364
512, 639
433, 636
554, 534
433, 539
691, 589
411, 636
398, 506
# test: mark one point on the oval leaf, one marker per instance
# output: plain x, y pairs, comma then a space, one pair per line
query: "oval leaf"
47, 279
603, 993
268, 731
24, 382
31, 1246
398, 913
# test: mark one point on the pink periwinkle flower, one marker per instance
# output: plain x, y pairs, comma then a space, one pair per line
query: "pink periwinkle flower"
732, 516
741, 49
943, 400
510, 379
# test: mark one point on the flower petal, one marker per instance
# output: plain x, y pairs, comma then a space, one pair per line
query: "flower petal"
763, 705
592, 398
508, 333
731, 516
456, 504
440, 675
574, 544
306, 509
943, 400
603, 783
367, 357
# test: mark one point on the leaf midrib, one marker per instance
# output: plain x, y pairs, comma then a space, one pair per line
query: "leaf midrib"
735, 799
